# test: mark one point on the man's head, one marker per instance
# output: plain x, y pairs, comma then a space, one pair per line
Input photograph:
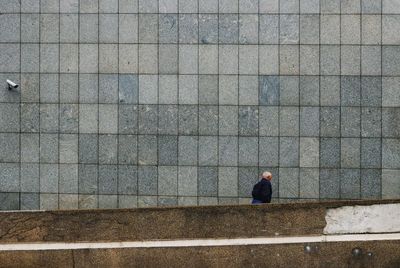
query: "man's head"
267, 175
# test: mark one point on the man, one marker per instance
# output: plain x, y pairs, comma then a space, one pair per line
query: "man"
262, 191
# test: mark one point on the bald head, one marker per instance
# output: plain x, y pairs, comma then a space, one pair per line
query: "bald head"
267, 175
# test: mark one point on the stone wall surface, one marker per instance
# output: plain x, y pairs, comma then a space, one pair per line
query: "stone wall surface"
133, 103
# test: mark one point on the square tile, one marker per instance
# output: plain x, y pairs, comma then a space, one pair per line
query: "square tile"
8, 58
309, 6
88, 148
127, 149
30, 28
128, 89
128, 58
350, 90
228, 29
168, 150
49, 177
371, 29
248, 6
228, 120
68, 201
268, 29
69, 88
88, 118
228, 6
108, 149
228, 151
208, 150
147, 150
390, 122
148, 119
128, 119
168, 59
289, 60
248, 151
208, 120
9, 177
330, 121
168, 6
168, 123
188, 6
268, 60
330, 29
9, 121
188, 120
208, 6
288, 182
168, 89
248, 120
49, 119
49, 88
128, 28
390, 153
108, 6
29, 177
207, 181
289, 121
128, 6
371, 151
350, 121
309, 28
309, 152
29, 147
49, 148
29, 117
68, 178
29, 201
248, 59
88, 58
49, 28
329, 183
350, 29
69, 6
228, 59
309, 90
167, 180
69, 118
108, 118
9, 201
208, 28
49, 58
228, 89
108, 201
390, 60
330, 6
248, 29
248, 176
289, 29
330, 60
309, 183
371, 60
390, 183
188, 59
371, 91
390, 6
29, 58
188, 28
48, 201
371, 180
168, 28
227, 181
148, 89
187, 181
309, 121
248, 90
269, 121
27, 6
208, 89
329, 153
350, 184
288, 152
127, 180
88, 179
108, 179
268, 151
309, 60
371, 122
69, 28
108, 58
350, 60
350, 153
390, 92
187, 150
88, 28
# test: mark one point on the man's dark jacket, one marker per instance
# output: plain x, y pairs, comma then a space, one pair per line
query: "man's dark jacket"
265, 191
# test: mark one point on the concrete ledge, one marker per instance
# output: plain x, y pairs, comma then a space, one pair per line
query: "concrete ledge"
297, 219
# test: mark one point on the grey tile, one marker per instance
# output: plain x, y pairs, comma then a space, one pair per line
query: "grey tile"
9, 122
228, 120
371, 122
371, 60
188, 28
248, 176
350, 152
248, 29
9, 177
188, 150
228, 151
228, 6
188, 120
147, 201
371, 32
88, 179
108, 58
289, 121
309, 29
88, 148
147, 180
49, 28
9, 201
208, 6
128, 28
27, 6
248, 151
29, 89
391, 153
168, 123
10, 147
227, 181
288, 182
390, 26
127, 149
329, 183
288, 152
329, 153
148, 116
29, 117
350, 29
168, 59
108, 6
49, 88
330, 91
390, 183
269, 90
371, 180
207, 181
289, 6
330, 6
127, 6
69, 6
147, 150
108, 201
49, 178
108, 118
9, 58
29, 177
29, 147
69, 28
108, 88
68, 178
289, 59
69, 88
29, 58
289, 90
108, 179
208, 120
88, 28
168, 6
208, 89
330, 60
371, 91
390, 60
48, 201
268, 151
188, 6
350, 121
309, 90
49, 148
88, 201
208, 150
128, 119
208, 28
309, 152
289, 29
148, 6
10, 6
167, 180
248, 88
208, 59
148, 88
330, 29
88, 88
330, 121
390, 122
248, 120
127, 180
166, 201
228, 89
29, 201
309, 121
309, 183
108, 28
371, 151
350, 184
168, 28
390, 92
268, 29
108, 149
187, 182
88, 58
309, 60
371, 6
167, 150
128, 88
269, 121
30, 28
228, 29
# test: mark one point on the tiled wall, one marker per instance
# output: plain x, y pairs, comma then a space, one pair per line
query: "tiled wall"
184, 102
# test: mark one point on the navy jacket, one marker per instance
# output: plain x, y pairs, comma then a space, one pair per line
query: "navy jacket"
265, 194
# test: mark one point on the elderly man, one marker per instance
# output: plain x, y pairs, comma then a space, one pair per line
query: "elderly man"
262, 190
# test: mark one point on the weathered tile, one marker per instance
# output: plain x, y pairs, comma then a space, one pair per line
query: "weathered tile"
228, 151
69, 178
371, 91
288, 152
390, 60
350, 152
29, 201
9, 177
371, 122
108, 179
49, 148
168, 150
350, 184
148, 89
289, 121
330, 121
208, 150
108, 149
88, 148
289, 29
390, 183
147, 150
188, 120
268, 29
208, 120
248, 29
30, 177
9, 201
188, 28
187, 181
288, 182
187, 150
350, 121
268, 151
329, 153
128, 119
371, 180
88, 179
390, 92
309, 182
371, 151
309, 90
248, 151
390, 122
68, 147
248, 120
127, 180
148, 115
128, 89
330, 59
49, 178
208, 28
207, 181
168, 28
88, 88
269, 121
167, 180
269, 89
329, 183
309, 121
309, 152
391, 153
227, 181
309, 27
